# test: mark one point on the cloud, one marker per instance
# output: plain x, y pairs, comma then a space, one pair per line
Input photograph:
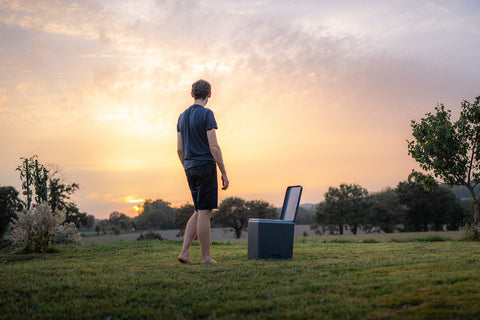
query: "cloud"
324, 89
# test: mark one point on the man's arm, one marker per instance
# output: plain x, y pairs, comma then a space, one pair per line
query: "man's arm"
180, 147
217, 155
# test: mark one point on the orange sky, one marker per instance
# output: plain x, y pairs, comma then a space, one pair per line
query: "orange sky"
315, 94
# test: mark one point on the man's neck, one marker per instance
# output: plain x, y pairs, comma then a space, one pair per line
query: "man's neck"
201, 102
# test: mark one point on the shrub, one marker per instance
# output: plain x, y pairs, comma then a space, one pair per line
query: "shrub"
370, 240
471, 233
342, 241
5, 244
150, 236
115, 230
67, 233
36, 228
432, 238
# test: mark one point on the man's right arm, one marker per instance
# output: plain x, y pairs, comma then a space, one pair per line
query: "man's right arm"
217, 155
180, 151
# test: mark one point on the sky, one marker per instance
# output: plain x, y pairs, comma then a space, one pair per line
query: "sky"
308, 92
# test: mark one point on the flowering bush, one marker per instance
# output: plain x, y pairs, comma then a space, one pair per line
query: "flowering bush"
67, 233
36, 228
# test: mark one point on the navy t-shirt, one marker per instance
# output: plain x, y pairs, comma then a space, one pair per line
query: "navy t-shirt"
193, 125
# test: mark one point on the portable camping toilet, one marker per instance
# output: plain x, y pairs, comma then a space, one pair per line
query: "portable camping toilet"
273, 239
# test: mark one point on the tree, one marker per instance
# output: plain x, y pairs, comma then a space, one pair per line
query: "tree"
234, 213
9, 204
449, 150
34, 178
120, 220
346, 205
386, 213
261, 209
59, 193
182, 215
90, 222
50, 188
430, 209
304, 216
156, 215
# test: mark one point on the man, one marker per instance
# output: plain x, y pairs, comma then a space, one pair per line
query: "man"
199, 152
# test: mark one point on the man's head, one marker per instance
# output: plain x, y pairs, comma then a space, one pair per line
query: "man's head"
201, 89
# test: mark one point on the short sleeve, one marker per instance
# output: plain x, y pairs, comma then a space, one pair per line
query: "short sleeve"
178, 123
210, 121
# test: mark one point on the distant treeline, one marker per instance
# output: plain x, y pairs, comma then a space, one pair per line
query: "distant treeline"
408, 207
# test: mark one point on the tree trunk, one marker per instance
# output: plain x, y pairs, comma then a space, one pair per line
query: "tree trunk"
340, 228
476, 213
354, 229
238, 232
476, 207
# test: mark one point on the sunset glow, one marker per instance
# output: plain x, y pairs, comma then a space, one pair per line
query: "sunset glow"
317, 93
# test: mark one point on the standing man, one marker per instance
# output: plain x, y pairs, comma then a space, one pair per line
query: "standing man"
199, 152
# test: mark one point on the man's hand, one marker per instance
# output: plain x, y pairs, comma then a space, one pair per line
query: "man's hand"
225, 182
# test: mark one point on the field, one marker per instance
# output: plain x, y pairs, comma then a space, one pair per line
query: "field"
408, 277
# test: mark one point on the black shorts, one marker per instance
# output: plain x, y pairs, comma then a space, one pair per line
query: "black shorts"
203, 184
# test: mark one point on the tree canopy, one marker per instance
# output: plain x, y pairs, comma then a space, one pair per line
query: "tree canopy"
449, 150
9, 204
234, 213
343, 206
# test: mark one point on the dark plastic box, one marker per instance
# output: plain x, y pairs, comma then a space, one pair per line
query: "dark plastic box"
273, 239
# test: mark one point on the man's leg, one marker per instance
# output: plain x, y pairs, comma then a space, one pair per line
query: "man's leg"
203, 232
190, 233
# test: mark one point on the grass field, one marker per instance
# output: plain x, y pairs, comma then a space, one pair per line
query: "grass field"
422, 277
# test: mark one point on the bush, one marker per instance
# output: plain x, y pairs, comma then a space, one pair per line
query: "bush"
150, 236
5, 244
471, 233
342, 241
115, 230
370, 240
67, 233
36, 228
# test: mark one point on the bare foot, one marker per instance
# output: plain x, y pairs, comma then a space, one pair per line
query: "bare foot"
184, 259
211, 261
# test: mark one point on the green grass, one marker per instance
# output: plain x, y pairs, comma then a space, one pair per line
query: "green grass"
324, 280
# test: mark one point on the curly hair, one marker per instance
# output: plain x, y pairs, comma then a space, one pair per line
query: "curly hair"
201, 89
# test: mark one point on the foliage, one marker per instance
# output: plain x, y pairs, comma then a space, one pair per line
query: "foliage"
35, 228
346, 205
49, 188
150, 236
386, 214
182, 215
234, 213
90, 222
261, 209
156, 215
115, 230
430, 209
120, 220
33, 175
450, 150
471, 233
67, 233
304, 216
143, 280
9, 204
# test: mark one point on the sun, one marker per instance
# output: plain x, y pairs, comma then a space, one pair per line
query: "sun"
134, 199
